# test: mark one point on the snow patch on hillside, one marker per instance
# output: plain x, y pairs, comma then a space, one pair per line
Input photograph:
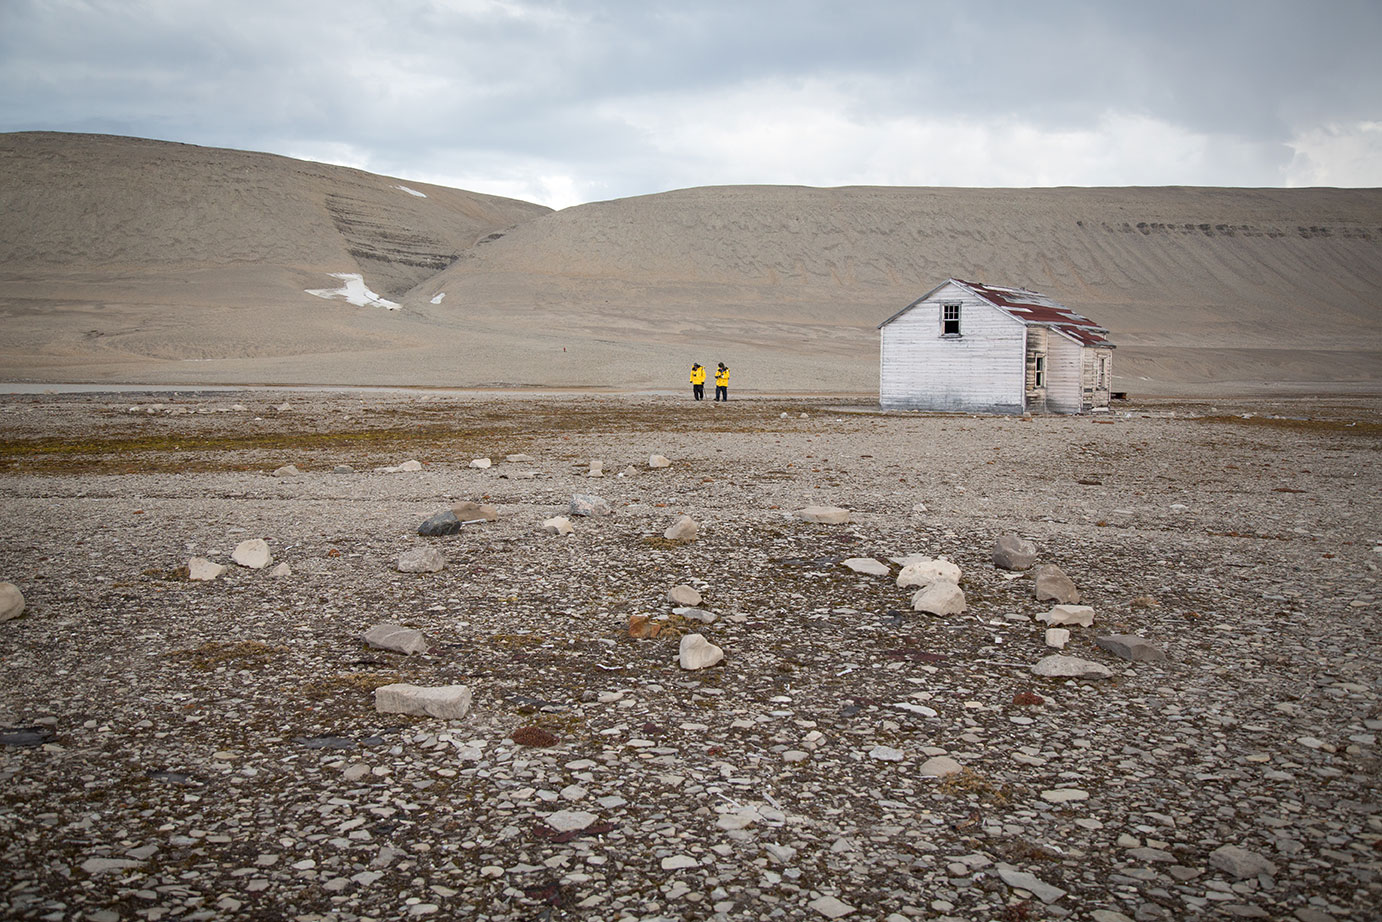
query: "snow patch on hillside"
438, 298
354, 291
412, 191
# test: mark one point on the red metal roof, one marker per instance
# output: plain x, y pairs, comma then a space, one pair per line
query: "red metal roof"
1034, 308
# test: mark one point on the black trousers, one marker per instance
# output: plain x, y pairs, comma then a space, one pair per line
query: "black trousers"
722, 392
698, 391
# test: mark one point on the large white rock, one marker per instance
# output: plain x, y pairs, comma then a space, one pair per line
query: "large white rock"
939, 599
588, 504
11, 601
867, 566
481, 463
558, 525
421, 560
683, 529
287, 470
1057, 637
1060, 666
449, 702
1082, 615
825, 515
570, 820
924, 572
396, 637
697, 653
658, 461
940, 766
253, 553
201, 570
684, 595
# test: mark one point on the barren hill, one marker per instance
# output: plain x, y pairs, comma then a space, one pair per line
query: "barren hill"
143, 261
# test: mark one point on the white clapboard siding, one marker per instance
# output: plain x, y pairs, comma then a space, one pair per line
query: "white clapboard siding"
1064, 383
983, 369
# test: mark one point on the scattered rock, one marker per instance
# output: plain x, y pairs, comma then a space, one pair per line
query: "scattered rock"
482, 464
1057, 637
107, 865
683, 529
698, 653
1013, 552
1023, 881
407, 467
396, 637
824, 515
1052, 585
1240, 862
449, 702
253, 554
829, 906
1060, 666
587, 504
940, 767
12, 601
281, 570
519, 458
558, 525
679, 863
199, 569
1082, 615
925, 571
343, 469
1064, 795
421, 560
1131, 647
683, 594
867, 566
288, 470
886, 754
658, 461
643, 627
450, 521
941, 598
597, 468
570, 820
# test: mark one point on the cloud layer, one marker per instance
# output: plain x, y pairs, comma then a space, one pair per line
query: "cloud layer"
569, 102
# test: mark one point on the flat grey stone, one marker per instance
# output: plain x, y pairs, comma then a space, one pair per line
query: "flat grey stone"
1031, 883
1013, 552
1059, 666
396, 637
421, 560
824, 515
683, 529
940, 598
1131, 647
1052, 585
449, 702
867, 566
1240, 862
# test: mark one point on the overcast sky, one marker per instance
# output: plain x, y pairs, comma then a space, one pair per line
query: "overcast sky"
568, 102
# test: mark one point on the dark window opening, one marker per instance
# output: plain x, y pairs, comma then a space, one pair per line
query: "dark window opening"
950, 320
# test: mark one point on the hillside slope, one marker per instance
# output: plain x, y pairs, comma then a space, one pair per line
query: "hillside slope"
125, 260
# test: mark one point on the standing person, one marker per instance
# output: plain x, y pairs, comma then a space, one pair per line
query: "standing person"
697, 381
722, 383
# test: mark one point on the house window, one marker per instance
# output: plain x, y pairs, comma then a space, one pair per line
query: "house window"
1103, 371
1041, 371
950, 320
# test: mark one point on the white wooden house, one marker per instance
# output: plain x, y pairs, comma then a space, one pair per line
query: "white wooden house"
972, 347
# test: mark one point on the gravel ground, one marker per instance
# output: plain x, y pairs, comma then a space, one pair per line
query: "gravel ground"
210, 750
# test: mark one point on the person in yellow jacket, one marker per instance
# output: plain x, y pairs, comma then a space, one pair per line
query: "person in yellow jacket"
722, 383
698, 381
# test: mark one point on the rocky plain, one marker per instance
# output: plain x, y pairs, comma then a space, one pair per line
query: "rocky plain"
219, 747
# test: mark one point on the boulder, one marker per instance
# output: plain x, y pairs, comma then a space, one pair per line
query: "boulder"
925, 571
867, 565
941, 598
1052, 585
587, 504
421, 560
201, 570
824, 515
558, 525
1059, 666
287, 470
450, 521
1013, 552
1131, 647
253, 553
449, 702
698, 653
684, 595
481, 463
11, 601
658, 461
1240, 862
1057, 637
1081, 615
683, 529
597, 468
940, 766
396, 637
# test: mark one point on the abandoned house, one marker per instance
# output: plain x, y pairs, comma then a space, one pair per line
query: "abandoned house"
967, 346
